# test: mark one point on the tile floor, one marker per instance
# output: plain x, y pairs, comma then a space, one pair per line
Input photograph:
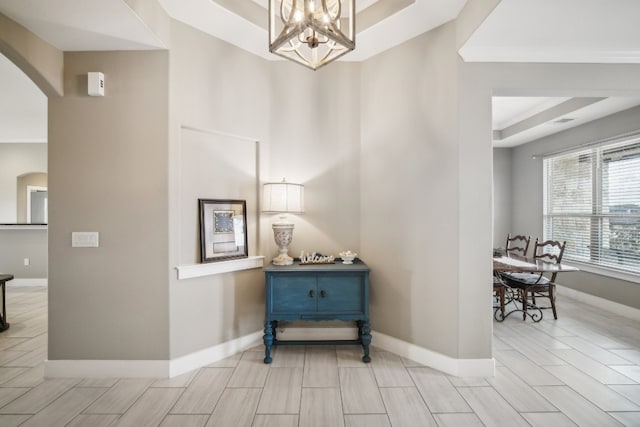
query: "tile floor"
583, 369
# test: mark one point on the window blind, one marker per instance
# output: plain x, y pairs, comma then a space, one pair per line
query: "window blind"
592, 201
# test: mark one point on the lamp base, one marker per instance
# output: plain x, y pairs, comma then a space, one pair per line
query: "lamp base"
282, 234
282, 259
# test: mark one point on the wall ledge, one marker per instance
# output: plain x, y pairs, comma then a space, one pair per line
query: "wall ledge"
207, 269
23, 227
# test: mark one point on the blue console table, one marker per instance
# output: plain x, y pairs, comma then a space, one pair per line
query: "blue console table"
317, 292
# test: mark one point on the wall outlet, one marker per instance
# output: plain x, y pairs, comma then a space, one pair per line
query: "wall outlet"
26, 261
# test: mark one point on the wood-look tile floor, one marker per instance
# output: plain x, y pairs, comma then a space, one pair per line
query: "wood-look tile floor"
583, 369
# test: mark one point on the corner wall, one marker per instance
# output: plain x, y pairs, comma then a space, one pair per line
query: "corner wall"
409, 184
304, 126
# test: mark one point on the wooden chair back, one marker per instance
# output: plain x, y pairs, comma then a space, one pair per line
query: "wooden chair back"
517, 245
549, 251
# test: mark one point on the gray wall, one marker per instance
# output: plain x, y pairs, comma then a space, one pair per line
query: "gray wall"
526, 196
502, 183
108, 172
16, 244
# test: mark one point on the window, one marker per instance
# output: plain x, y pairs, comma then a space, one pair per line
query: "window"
592, 201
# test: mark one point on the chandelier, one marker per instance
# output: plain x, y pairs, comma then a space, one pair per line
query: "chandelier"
310, 32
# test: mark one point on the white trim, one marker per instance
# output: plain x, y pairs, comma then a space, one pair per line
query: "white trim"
180, 365
27, 282
149, 368
208, 269
533, 54
213, 354
605, 304
440, 362
106, 369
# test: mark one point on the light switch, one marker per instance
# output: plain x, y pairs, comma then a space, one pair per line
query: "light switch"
84, 239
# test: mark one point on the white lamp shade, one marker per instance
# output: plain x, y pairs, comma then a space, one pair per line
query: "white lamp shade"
283, 197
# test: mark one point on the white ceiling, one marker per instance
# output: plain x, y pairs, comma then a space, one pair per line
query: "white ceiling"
516, 30
579, 31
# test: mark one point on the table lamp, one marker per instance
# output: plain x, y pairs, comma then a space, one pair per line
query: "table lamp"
283, 197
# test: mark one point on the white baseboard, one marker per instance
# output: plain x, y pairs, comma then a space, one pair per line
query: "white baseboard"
605, 304
432, 359
213, 354
106, 369
449, 365
180, 365
27, 282
148, 368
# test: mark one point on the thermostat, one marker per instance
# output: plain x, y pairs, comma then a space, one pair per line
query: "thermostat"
95, 84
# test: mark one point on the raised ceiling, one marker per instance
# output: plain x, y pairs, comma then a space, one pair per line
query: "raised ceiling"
515, 31
518, 120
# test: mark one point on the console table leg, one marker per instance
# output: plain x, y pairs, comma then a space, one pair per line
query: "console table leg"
365, 336
268, 341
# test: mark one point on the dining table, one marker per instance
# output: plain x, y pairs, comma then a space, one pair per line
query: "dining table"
510, 263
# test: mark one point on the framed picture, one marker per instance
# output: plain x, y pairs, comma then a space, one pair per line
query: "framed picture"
223, 229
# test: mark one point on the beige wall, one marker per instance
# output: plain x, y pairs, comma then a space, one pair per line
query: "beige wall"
108, 172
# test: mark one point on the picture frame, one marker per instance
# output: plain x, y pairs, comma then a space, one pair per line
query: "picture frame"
223, 229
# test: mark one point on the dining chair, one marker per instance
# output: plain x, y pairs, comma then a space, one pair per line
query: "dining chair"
537, 284
499, 290
518, 245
